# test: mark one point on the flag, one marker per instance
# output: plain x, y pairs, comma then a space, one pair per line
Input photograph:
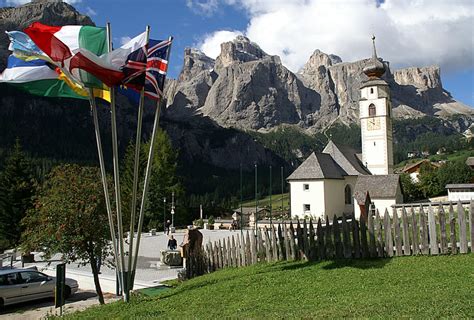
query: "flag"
67, 45
81, 50
40, 78
156, 67
37, 78
24, 48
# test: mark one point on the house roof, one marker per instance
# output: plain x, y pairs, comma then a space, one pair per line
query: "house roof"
318, 166
378, 186
347, 158
413, 166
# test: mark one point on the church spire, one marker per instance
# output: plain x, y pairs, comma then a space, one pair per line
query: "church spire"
374, 68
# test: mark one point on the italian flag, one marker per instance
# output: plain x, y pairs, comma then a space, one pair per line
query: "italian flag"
82, 51
65, 44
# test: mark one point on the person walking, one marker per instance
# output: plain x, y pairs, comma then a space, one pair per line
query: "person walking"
172, 243
167, 227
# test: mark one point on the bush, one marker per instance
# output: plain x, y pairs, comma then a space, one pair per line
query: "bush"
198, 223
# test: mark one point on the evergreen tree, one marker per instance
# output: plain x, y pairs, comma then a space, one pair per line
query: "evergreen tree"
17, 188
163, 182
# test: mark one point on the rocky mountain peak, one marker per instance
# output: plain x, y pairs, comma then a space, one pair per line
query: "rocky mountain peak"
317, 59
241, 49
422, 78
194, 62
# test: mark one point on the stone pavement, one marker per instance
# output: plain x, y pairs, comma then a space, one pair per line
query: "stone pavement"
149, 272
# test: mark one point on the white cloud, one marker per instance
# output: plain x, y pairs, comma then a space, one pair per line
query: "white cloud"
206, 7
210, 45
72, 2
124, 40
90, 11
409, 32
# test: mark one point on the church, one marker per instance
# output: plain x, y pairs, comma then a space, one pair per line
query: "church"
337, 180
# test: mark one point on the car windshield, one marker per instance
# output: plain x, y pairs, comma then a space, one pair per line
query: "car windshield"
33, 276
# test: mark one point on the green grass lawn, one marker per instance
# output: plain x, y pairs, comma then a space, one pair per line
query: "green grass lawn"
415, 287
276, 201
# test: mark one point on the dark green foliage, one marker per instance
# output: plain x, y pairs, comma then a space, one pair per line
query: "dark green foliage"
455, 172
69, 216
17, 188
411, 191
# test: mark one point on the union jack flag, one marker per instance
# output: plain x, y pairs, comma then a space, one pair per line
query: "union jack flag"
156, 67
134, 69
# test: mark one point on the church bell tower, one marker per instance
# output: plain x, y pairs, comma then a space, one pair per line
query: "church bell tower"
375, 113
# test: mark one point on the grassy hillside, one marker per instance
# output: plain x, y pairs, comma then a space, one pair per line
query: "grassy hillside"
265, 202
405, 287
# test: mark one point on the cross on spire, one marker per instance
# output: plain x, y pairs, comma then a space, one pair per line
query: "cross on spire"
374, 53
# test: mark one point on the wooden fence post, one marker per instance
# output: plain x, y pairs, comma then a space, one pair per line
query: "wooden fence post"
371, 228
434, 250
406, 234
305, 240
274, 245
397, 233
329, 243
248, 248
346, 238
356, 238
320, 240
337, 238
232, 252
363, 236
224, 258
268, 250
311, 242
287, 242
378, 232
261, 247
462, 229
387, 224
415, 236
281, 244
442, 227
452, 229
294, 249
242, 251
253, 248
423, 232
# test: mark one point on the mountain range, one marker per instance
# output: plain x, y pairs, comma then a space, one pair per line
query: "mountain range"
214, 105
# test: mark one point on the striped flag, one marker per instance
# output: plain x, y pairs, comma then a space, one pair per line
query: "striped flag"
156, 67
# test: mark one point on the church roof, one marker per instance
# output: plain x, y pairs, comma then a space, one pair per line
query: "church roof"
347, 158
318, 166
378, 186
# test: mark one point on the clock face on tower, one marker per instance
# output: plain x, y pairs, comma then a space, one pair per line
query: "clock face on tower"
373, 124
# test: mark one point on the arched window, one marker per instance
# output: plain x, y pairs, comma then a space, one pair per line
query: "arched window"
371, 90
348, 194
372, 112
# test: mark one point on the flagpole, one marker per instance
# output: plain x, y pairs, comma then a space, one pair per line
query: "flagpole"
135, 173
104, 177
146, 183
118, 204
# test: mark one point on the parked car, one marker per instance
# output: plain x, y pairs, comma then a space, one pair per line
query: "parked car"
20, 285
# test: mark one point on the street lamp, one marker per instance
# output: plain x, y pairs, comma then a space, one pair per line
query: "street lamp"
164, 215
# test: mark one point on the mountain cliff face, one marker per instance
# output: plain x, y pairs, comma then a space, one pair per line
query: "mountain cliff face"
249, 89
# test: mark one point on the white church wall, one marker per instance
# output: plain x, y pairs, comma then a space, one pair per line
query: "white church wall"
334, 197
312, 196
380, 204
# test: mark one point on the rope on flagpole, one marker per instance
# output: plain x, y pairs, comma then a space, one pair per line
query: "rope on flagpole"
118, 204
146, 183
104, 176
135, 175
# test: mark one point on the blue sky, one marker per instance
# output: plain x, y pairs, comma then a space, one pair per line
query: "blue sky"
409, 32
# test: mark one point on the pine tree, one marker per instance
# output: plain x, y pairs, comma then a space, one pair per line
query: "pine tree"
17, 189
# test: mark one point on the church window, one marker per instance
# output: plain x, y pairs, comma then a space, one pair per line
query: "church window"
371, 90
305, 187
306, 207
372, 112
348, 194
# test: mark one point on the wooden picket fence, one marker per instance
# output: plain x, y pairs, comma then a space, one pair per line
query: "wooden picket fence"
413, 231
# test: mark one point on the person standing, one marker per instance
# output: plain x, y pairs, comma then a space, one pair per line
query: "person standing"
172, 243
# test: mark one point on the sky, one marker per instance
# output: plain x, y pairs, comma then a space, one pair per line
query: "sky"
408, 32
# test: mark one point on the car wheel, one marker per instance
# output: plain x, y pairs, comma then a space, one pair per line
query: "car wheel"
67, 292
